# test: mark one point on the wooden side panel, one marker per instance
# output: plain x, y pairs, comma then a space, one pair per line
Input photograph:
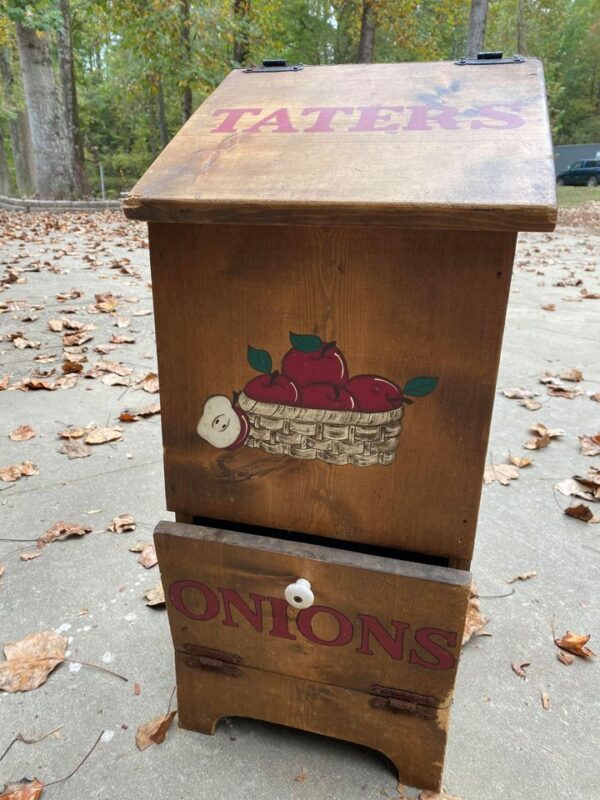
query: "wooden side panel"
375, 621
415, 746
399, 304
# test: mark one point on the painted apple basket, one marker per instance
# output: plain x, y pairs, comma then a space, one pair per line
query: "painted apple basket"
337, 437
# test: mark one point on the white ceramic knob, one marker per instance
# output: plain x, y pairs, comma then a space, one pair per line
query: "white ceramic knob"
299, 594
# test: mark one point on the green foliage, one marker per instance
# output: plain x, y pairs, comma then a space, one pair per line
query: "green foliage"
134, 62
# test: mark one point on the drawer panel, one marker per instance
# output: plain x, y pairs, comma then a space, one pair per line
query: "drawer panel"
377, 624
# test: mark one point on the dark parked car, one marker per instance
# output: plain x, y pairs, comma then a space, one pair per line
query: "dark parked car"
581, 173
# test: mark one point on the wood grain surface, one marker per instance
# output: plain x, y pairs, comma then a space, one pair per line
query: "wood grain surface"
426, 145
375, 621
415, 746
399, 304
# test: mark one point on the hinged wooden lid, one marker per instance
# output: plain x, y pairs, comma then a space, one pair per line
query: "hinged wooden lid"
439, 145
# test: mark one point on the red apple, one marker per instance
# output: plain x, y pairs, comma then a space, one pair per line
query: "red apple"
328, 396
374, 393
244, 432
326, 364
273, 388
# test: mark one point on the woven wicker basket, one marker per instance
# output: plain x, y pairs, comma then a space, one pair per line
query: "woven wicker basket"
337, 437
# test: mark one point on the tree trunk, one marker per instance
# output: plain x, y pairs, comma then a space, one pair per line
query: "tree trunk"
152, 123
477, 21
69, 96
53, 174
162, 119
366, 44
18, 126
5, 182
186, 100
521, 33
241, 49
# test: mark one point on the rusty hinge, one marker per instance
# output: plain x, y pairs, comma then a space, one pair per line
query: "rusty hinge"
212, 660
399, 701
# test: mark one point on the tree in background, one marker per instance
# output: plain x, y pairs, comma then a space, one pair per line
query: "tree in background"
477, 21
114, 79
16, 116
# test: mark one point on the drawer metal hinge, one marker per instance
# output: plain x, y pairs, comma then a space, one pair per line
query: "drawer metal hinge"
212, 660
494, 57
275, 65
399, 701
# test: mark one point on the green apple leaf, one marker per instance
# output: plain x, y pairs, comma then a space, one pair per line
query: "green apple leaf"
421, 386
259, 360
306, 343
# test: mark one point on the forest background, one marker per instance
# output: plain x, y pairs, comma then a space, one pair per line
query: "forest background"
90, 85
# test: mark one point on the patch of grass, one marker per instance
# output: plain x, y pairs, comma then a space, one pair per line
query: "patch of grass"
569, 196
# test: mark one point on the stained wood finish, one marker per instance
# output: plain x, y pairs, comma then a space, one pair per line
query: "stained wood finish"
414, 145
375, 621
415, 746
399, 304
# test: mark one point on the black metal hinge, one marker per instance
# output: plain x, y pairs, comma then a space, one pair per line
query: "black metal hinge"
275, 65
493, 57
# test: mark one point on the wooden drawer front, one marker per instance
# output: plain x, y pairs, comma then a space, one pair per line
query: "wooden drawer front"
388, 627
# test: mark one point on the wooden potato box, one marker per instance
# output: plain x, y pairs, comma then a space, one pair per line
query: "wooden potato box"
331, 253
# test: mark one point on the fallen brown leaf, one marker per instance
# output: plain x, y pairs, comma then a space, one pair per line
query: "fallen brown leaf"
31, 556
519, 394
475, 621
36, 384
155, 731
133, 414
519, 668
503, 473
62, 530
116, 380
72, 433
556, 390
30, 660
15, 471
122, 524
565, 658
523, 576
543, 436
21, 343
150, 383
24, 790
549, 307
148, 557
520, 461
119, 339
575, 643
531, 405
22, 433
589, 445
582, 512
571, 375
69, 367
156, 595
545, 701
75, 449
595, 396
5, 380
72, 294
101, 435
